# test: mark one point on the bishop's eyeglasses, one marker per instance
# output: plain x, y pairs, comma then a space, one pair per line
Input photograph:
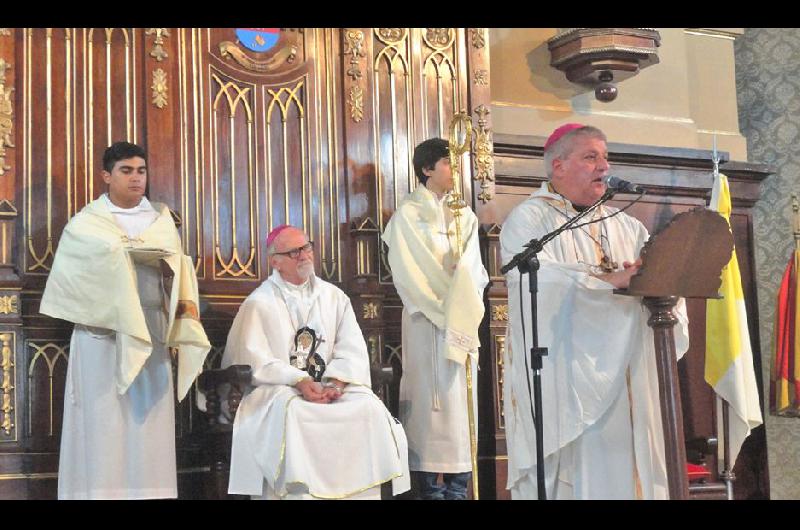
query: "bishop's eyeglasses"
295, 252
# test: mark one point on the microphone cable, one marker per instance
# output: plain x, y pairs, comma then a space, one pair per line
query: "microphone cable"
525, 353
634, 201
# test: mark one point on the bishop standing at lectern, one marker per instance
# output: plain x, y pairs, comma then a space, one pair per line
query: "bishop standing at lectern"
602, 432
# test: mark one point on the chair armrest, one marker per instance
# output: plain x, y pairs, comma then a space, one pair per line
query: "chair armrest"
238, 376
381, 374
382, 377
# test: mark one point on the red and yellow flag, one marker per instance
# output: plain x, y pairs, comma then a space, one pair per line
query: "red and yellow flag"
784, 393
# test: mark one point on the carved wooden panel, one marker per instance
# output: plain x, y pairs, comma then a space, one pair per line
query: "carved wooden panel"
45, 371
78, 94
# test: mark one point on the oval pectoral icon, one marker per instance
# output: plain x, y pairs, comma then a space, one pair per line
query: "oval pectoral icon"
305, 341
258, 39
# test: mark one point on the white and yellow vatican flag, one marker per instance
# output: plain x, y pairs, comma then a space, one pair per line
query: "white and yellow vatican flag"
729, 358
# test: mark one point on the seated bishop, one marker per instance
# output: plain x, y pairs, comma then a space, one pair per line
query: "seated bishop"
309, 426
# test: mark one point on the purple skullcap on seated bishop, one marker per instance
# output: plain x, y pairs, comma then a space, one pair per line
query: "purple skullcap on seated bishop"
560, 132
274, 234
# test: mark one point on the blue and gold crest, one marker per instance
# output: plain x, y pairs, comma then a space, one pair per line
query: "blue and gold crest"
258, 39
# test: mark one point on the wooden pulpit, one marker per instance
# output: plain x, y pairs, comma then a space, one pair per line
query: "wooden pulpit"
684, 259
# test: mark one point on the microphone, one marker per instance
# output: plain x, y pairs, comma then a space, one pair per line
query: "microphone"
624, 186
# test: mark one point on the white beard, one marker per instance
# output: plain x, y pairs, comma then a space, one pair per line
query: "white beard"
306, 270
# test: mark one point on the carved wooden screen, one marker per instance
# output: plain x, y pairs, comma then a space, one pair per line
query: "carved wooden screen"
317, 131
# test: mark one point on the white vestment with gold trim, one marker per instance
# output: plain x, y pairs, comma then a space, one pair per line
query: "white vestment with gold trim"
118, 433
287, 445
442, 309
603, 437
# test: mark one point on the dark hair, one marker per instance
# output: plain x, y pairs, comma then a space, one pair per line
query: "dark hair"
426, 154
121, 151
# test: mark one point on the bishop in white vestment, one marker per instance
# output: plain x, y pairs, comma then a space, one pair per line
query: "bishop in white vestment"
602, 432
442, 309
310, 427
120, 275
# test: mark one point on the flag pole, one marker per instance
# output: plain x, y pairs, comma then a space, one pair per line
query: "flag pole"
796, 221
726, 475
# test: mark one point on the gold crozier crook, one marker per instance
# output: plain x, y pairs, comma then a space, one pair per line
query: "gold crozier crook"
460, 141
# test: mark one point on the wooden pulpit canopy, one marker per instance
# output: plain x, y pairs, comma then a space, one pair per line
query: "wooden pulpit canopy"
686, 257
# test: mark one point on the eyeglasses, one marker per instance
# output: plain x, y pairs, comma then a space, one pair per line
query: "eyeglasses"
295, 252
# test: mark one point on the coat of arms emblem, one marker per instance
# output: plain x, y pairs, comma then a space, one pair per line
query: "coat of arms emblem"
258, 39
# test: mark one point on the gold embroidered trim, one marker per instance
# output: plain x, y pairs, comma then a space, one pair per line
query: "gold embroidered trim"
187, 309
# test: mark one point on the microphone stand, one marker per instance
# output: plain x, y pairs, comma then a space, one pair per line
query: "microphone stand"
527, 261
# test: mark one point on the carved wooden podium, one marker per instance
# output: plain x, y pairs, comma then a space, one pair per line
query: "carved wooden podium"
685, 259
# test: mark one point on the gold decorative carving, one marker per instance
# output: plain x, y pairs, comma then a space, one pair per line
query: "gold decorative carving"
500, 312
481, 77
484, 159
500, 350
374, 354
39, 262
354, 42
158, 52
159, 87
356, 103
439, 38
7, 209
239, 99
363, 258
6, 116
370, 310
364, 232
391, 68
8, 383
395, 352
478, 38
440, 63
285, 55
8, 304
5, 32
391, 35
41, 352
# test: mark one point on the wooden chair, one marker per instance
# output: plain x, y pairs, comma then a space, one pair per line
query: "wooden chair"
218, 435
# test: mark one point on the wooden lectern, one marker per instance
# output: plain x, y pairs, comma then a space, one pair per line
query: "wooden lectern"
684, 259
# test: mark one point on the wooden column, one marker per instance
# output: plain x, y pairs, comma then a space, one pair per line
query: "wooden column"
662, 320
10, 283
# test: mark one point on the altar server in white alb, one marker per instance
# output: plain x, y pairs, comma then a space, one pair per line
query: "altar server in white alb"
603, 436
442, 309
121, 276
310, 427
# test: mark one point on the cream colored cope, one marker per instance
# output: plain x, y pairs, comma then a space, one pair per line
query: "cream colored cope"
442, 309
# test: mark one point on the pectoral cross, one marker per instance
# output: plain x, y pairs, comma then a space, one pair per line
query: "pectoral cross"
607, 264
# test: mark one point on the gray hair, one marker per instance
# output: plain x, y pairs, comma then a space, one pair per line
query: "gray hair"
563, 147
